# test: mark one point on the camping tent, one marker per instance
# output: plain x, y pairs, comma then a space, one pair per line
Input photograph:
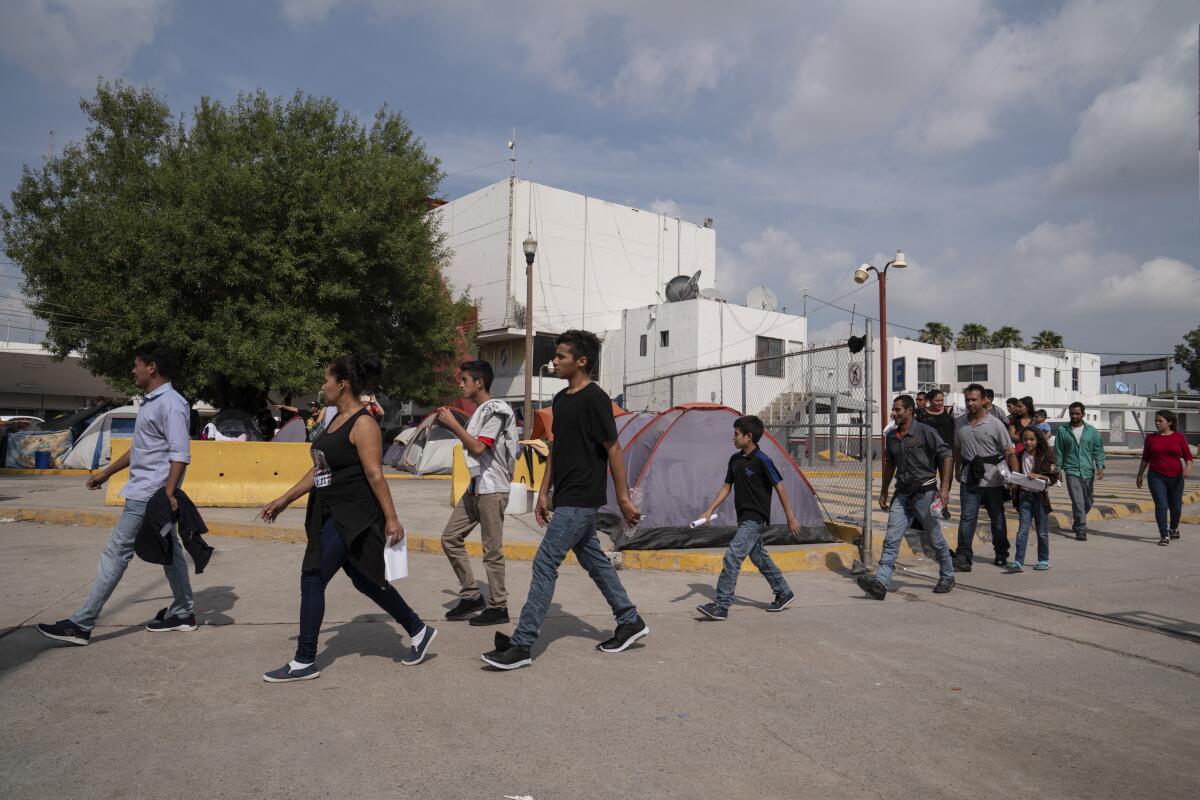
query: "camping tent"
430, 447
92, 449
543, 421
293, 430
233, 422
677, 463
396, 450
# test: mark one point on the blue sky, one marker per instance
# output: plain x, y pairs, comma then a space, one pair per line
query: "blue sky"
1036, 161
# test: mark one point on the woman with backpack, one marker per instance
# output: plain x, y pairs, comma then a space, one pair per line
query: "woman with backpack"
1033, 507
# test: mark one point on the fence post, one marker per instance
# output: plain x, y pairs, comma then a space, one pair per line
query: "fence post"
868, 455
671, 391
745, 410
833, 428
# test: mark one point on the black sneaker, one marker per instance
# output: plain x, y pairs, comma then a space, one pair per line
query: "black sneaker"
507, 655
962, 564
1000, 561
164, 623
782, 601
286, 674
417, 653
466, 608
943, 585
1174, 533
624, 636
65, 631
1164, 540
713, 611
1081, 536
490, 616
872, 586
945, 513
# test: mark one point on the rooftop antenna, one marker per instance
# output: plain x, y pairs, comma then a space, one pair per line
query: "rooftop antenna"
512, 149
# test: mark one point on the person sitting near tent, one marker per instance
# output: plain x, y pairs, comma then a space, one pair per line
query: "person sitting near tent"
490, 446
751, 475
157, 459
585, 437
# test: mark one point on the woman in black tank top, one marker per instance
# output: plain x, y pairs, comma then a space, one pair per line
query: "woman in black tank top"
350, 518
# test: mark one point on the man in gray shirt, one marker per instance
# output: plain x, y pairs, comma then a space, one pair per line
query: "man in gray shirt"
981, 445
156, 459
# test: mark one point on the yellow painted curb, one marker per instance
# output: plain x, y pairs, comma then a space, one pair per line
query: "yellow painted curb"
810, 557
22, 471
1190, 519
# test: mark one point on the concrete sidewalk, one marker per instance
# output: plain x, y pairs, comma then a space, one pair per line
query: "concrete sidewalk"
840, 696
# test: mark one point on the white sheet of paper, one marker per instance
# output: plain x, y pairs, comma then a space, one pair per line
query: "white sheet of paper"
1017, 479
395, 561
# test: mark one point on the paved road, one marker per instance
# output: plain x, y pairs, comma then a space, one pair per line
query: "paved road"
839, 697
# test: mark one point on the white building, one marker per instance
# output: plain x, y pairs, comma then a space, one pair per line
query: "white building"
34, 384
670, 338
594, 260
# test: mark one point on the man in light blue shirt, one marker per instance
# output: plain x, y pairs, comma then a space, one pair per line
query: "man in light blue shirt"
157, 458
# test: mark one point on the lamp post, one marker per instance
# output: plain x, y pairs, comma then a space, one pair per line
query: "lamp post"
861, 275
530, 248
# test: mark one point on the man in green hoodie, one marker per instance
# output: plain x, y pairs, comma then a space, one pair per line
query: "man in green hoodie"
1080, 456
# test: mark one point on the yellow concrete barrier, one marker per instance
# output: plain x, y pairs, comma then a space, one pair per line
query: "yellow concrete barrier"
529, 469
460, 478
230, 474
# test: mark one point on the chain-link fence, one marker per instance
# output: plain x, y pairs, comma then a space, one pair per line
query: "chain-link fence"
813, 401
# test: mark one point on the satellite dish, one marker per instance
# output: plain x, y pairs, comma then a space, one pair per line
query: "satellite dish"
762, 297
681, 287
1122, 388
713, 294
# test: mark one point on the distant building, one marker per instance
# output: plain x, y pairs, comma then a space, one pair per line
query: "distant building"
34, 384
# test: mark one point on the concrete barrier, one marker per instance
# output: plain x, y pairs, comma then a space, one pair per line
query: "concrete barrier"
230, 474
528, 471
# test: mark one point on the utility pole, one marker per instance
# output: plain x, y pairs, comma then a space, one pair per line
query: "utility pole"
512, 180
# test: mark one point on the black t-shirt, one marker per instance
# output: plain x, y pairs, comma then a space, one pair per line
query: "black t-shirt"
753, 477
943, 423
583, 422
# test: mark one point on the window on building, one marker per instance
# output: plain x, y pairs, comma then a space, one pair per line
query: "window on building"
1057, 379
770, 349
642, 345
972, 373
664, 338
794, 346
899, 379
926, 371
1037, 372
1021, 373
1075, 379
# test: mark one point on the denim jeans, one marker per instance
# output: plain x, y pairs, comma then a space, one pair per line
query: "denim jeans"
572, 529
1168, 498
312, 595
1032, 512
1080, 490
904, 509
747, 541
971, 497
115, 557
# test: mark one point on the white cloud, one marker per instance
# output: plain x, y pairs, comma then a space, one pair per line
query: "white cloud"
77, 42
668, 208
1156, 287
777, 259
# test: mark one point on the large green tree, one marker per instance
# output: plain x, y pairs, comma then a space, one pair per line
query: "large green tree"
972, 335
1007, 336
259, 238
1187, 355
937, 333
1048, 340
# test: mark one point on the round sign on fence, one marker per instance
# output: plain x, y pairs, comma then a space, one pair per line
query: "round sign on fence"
855, 375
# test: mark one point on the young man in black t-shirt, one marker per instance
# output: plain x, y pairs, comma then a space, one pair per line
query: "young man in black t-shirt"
753, 477
584, 447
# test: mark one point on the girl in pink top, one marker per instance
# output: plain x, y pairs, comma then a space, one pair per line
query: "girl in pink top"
1169, 460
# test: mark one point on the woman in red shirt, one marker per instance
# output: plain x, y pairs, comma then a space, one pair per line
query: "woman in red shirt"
1169, 458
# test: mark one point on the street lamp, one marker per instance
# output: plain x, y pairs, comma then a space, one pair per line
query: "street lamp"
530, 248
861, 275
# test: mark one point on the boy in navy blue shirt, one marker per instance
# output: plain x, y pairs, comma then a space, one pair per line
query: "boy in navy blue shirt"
751, 476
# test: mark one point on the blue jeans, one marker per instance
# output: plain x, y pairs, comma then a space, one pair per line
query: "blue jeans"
971, 496
312, 595
1032, 512
1168, 499
115, 557
572, 529
747, 541
904, 509
1080, 491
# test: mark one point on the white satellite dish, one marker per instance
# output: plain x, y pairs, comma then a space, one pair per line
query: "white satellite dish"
713, 294
762, 297
1122, 388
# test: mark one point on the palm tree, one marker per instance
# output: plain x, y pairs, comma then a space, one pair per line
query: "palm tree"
972, 335
1048, 340
1008, 336
937, 333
